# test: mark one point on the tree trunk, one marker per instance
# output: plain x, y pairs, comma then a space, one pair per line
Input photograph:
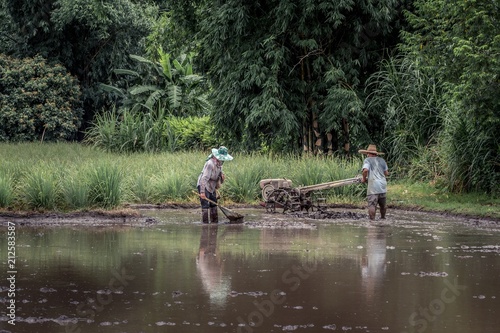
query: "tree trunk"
318, 141
329, 143
347, 140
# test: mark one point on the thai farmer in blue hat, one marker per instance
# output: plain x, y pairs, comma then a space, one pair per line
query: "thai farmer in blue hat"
209, 181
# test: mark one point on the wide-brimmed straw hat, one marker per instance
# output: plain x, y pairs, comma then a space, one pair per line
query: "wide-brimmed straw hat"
221, 154
372, 149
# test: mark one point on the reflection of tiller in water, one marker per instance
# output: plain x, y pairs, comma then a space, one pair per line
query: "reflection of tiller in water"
436, 307
293, 278
89, 308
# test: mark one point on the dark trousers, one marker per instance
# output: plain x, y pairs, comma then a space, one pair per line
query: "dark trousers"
211, 196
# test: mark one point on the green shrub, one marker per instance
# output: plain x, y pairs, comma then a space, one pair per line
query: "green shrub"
37, 101
193, 132
127, 132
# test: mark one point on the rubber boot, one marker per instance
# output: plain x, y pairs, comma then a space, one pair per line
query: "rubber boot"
214, 218
204, 215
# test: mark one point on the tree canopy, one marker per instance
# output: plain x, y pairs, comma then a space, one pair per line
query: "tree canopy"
292, 73
458, 43
89, 37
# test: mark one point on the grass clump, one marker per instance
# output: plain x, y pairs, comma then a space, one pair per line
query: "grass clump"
171, 186
40, 189
6, 190
75, 192
242, 179
105, 185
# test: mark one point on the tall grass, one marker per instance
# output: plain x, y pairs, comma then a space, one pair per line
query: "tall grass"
469, 157
170, 186
127, 132
40, 188
74, 176
243, 176
140, 189
412, 103
105, 185
6, 190
75, 191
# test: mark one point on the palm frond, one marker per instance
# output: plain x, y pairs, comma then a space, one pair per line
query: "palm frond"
126, 72
112, 89
141, 89
141, 59
154, 97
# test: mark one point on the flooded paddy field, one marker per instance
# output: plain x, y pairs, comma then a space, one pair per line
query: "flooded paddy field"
166, 272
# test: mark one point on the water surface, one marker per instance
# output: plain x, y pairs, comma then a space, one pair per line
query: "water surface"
419, 273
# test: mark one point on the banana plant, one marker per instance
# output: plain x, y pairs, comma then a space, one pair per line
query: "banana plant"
168, 83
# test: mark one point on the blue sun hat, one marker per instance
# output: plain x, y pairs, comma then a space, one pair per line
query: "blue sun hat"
221, 154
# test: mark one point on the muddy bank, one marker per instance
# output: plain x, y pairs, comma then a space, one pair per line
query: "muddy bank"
125, 217
131, 215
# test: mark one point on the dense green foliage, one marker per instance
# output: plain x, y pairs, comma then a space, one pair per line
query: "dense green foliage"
37, 101
128, 132
455, 49
89, 37
294, 70
412, 104
420, 78
169, 86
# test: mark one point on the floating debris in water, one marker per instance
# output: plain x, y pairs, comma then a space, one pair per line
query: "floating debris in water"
163, 323
434, 274
331, 327
281, 225
330, 215
248, 293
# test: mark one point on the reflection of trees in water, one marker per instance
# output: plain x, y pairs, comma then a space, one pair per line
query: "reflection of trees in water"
374, 262
210, 267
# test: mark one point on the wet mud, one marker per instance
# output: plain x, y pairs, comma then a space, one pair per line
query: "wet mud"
140, 216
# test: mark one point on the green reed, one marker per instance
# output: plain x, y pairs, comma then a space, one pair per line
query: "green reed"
75, 192
6, 190
105, 185
243, 176
74, 176
40, 188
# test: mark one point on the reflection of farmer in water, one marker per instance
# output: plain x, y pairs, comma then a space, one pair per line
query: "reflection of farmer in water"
209, 267
373, 263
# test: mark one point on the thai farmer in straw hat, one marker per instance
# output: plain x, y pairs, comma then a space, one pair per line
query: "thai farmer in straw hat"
374, 172
209, 180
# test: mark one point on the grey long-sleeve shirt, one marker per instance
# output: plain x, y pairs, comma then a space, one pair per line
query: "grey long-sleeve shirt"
209, 176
